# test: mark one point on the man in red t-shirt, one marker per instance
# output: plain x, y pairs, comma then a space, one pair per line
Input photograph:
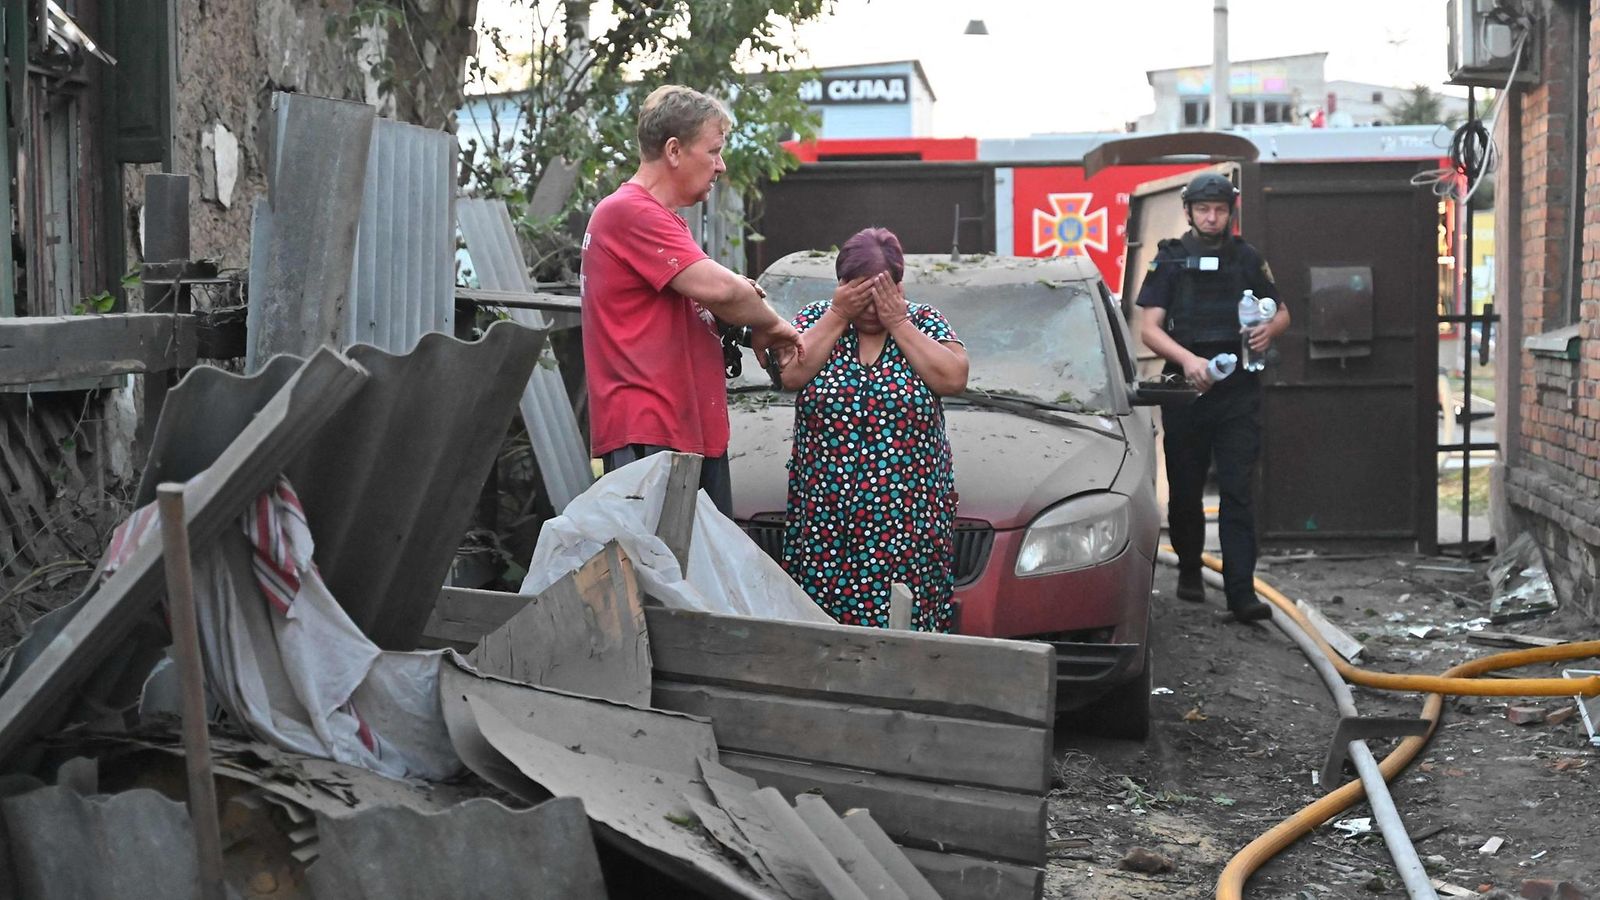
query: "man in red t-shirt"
651, 298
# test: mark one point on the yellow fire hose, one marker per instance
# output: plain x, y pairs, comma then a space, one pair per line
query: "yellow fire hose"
1459, 680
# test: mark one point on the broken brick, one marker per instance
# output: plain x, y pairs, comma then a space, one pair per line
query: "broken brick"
1537, 889
1550, 889
1525, 715
1561, 715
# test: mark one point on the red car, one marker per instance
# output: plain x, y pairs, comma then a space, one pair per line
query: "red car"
1054, 455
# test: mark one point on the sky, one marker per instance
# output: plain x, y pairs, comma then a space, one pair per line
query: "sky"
1079, 66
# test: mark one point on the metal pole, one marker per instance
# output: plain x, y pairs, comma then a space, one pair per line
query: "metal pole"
186, 648
1466, 351
1221, 111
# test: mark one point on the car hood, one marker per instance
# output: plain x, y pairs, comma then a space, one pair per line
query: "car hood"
1009, 468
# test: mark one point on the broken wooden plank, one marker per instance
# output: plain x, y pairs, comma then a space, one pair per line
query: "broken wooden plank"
1508, 639
585, 633
675, 527
955, 675
968, 878
1453, 890
213, 500
463, 616
892, 858
823, 864
976, 821
1341, 642
917, 745
853, 856
50, 348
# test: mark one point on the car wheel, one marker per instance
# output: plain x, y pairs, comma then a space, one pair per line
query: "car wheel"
1124, 711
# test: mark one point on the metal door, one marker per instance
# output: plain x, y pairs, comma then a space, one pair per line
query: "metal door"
1349, 439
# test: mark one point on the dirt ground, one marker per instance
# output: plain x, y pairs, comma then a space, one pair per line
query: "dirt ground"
1247, 721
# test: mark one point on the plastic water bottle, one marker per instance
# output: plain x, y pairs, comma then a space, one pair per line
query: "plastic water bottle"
1221, 366
1249, 317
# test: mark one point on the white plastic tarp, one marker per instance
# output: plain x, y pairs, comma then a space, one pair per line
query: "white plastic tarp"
728, 573
283, 658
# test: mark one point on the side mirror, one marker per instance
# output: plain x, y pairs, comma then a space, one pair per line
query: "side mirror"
1161, 393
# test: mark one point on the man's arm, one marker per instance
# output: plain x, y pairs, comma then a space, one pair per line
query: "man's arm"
728, 295
1152, 330
1260, 280
736, 300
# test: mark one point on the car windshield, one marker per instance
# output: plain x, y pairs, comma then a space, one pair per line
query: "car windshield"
1039, 339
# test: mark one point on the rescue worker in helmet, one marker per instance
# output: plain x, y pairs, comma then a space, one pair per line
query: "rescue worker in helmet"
1190, 313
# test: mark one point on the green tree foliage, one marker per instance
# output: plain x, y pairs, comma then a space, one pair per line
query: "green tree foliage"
1420, 106
580, 99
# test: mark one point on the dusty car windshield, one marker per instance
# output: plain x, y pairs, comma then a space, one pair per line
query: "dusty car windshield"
1038, 339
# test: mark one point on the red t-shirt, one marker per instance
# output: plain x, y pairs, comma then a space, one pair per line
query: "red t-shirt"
652, 356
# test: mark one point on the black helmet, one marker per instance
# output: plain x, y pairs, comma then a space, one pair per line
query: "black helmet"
1209, 186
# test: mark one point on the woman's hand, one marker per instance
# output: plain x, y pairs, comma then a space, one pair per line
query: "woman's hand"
851, 298
889, 300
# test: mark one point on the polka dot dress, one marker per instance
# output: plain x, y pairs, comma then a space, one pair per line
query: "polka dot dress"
871, 489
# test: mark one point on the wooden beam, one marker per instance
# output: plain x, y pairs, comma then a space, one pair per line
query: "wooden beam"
955, 818
212, 502
50, 348
915, 745
676, 525
953, 675
192, 679
520, 300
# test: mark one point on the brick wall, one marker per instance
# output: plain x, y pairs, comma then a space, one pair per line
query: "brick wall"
1552, 480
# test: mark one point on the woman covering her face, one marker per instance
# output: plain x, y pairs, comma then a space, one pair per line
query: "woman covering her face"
871, 490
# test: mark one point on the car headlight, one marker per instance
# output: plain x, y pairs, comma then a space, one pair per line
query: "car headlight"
1079, 533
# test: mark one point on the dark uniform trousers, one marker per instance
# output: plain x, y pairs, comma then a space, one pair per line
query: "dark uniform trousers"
1224, 425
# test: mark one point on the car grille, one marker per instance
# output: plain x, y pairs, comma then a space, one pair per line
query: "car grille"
973, 540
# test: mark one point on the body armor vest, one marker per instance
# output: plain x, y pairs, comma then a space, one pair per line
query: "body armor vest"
1206, 308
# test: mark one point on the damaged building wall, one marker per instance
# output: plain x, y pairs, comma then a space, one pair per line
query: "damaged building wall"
406, 57
67, 454
1549, 349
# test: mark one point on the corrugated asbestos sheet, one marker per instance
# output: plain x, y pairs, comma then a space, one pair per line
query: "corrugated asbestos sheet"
403, 281
552, 426
354, 243
303, 233
476, 848
390, 486
63, 846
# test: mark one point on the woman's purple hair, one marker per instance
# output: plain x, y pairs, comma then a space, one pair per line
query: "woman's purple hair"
868, 252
